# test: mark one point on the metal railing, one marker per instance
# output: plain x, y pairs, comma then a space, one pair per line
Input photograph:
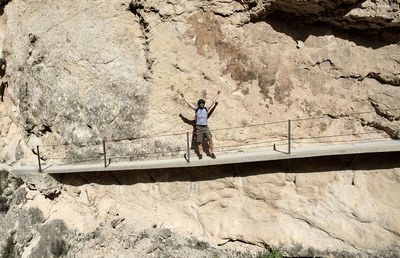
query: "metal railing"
180, 143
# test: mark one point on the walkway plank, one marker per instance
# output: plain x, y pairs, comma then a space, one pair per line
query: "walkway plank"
241, 157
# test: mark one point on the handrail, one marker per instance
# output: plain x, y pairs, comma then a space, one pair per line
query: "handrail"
186, 150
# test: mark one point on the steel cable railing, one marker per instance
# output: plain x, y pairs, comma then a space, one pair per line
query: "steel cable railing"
342, 115
335, 135
137, 148
345, 141
165, 145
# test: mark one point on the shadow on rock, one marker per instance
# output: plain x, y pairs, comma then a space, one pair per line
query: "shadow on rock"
300, 30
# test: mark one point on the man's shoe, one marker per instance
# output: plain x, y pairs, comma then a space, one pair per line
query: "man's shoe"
213, 156
200, 156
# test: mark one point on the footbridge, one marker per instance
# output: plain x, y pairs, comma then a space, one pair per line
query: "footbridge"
243, 157
269, 148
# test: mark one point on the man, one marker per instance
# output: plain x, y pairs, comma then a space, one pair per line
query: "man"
202, 131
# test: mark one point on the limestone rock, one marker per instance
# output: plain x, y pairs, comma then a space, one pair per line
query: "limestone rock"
319, 209
116, 223
73, 74
74, 88
119, 79
3, 178
360, 15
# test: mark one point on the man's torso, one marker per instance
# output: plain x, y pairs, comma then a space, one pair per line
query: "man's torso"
201, 116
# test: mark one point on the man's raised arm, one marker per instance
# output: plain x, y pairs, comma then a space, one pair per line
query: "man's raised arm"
187, 102
215, 99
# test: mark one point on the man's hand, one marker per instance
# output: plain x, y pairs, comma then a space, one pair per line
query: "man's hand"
182, 95
218, 92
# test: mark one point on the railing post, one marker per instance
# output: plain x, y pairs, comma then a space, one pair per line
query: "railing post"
38, 154
289, 137
188, 147
104, 153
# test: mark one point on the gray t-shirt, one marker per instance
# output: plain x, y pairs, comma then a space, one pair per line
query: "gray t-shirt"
201, 115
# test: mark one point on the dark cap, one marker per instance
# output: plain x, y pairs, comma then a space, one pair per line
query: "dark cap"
201, 101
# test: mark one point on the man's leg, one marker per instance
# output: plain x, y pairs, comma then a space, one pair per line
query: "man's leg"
210, 143
208, 136
199, 139
200, 149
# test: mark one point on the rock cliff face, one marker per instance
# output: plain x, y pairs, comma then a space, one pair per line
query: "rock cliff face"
346, 207
74, 73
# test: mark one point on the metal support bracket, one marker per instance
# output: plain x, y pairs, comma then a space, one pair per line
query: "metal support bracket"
105, 155
187, 154
289, 137
38, 155
289, 140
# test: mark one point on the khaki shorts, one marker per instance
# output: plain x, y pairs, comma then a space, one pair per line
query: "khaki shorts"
202, 133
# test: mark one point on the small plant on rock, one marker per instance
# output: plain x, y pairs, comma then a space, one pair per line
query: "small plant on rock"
18, 182
9, 249
270, 253
58, 247
3, 204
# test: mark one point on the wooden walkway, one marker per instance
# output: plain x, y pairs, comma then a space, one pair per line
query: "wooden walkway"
241, 157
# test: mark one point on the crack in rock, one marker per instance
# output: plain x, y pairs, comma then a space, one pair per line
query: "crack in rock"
394, 81
334, 67
351, 76
336, 116
383, 112
320, 229
393, 134
229, 240
136, 7
3, 87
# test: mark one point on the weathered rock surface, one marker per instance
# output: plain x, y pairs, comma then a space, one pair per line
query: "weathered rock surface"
72, 74
327, 207
118, 76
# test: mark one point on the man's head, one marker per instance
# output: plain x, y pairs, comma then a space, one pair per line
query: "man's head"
201, 103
